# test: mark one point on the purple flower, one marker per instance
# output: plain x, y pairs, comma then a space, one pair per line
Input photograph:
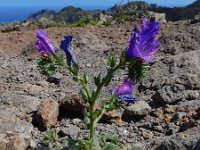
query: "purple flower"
124, 91
44, 44
144, 44
66, 46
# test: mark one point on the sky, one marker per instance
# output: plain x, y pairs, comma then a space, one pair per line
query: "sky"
84, 3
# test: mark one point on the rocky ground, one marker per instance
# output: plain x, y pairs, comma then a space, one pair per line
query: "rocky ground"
166, 115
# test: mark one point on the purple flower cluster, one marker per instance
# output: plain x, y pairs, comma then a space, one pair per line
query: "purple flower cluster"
45, 46
142, 45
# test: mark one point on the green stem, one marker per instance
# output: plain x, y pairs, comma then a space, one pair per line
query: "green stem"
92, 103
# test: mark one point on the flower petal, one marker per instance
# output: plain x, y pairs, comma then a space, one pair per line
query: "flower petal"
66, 46
144, 45
126, 88
44, 43
127, 98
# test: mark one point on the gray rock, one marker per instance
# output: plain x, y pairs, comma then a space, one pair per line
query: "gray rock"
172, 129
171, 145
11, 121
140, 108
166, 95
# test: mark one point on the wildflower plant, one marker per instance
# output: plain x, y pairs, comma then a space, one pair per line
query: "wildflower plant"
134, 61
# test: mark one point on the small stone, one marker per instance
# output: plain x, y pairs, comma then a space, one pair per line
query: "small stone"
158, 113
178, 116
33, 144
34, 90
169, 109
147, 134
47, 114
139, 146
140, 108
76, 121
172, 129
112, 117
44, 84
130, 140
158, 128
88, 65
18, 142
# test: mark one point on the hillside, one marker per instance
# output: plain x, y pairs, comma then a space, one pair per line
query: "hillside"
72, 14
179, 13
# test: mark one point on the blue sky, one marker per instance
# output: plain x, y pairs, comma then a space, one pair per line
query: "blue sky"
84, 3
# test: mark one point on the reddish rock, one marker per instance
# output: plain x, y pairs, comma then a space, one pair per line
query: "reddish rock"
73, 104
47, 113
147, 134
112, 117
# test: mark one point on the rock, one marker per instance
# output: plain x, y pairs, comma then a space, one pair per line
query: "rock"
170, 145
166, 95
34, 89
187, 139
72, 104
179, 116
47, 113
169, 109
140, 108
161, 17
147, 134
71, 130
196, 19
76, 121
139, 146
172, 129
33, 144
112, 117
56, 78
158, 128
12, 121
18, 142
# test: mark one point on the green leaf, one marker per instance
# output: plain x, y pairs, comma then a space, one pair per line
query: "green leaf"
111, 62
84, 95
46, 66
109, 142
85, 78
74, 69
96, 114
